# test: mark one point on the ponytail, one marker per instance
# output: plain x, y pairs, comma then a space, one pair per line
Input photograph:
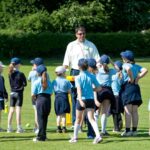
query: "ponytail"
11, 68
44, 80
106, 69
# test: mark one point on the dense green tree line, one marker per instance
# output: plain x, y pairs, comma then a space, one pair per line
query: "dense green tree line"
64, 15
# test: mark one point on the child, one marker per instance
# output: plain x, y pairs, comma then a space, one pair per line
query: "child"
116, 87
61, 87
17, 81
41, 92
3, 92
84, 83
105, 96
92, 68
131, 95
32, 78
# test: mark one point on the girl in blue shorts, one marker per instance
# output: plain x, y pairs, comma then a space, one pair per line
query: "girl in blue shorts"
41, 92
130, 93
85, 100
61, 87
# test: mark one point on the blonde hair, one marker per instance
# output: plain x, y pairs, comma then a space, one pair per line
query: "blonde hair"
44, 80
11, 68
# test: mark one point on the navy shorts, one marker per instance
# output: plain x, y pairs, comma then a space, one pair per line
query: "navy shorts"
61, 103
131, 94
89, 103
16, 99
106, 93
1, 105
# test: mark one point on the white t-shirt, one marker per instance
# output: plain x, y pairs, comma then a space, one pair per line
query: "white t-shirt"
77, 50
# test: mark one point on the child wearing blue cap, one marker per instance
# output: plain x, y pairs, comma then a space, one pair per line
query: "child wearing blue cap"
92, 68
116, 87
61, 87
85, 100
41, 93
17, 82
130, 94
32, 77
105, 96
3, 92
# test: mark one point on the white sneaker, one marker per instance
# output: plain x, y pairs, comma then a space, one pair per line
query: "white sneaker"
97, 140
35, 140
9, 130
126, 133
19, 130
73, 140
134, 133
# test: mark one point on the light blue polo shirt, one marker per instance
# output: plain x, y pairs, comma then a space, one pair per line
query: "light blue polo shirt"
135, 69
85, 80
61, 84
37, 87
104, 78
116, 84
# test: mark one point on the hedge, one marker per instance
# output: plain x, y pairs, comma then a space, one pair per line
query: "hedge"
47, 44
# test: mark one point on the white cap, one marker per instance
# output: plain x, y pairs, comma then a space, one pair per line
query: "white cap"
1, 64
60, 69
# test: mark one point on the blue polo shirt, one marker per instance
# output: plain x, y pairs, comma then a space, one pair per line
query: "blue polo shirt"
38, 89
61, 84
116, 84
85, 80
104, 78
135, 69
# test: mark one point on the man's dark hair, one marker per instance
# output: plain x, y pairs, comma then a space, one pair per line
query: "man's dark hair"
80, 28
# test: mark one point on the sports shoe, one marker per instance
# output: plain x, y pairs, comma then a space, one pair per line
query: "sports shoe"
9, 130
104, 133
126, 133
134, 133
97, 140
59, 130
64, 130
19, 130
90, 137
73, 140
2, 130
35, 139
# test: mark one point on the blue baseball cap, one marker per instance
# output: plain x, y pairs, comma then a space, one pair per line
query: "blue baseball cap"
118, 64
91, 63
38, 61
82, 61
104, 59
128, 55
40, 69
15, 60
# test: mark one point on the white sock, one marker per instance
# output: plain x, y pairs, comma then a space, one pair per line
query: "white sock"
76, 130
103, 123
9, 126
95, 128
96, 116
19, 126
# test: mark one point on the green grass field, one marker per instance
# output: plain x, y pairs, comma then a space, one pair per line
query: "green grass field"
23, 141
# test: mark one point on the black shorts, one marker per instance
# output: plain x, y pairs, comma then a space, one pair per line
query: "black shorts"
1, 105
16, 99
89, 103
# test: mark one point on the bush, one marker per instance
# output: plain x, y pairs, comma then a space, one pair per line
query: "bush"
47, 44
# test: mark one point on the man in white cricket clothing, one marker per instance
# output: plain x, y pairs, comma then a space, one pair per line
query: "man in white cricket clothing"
80, 48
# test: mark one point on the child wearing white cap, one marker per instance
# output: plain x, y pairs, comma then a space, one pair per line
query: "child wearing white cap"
61, 87
3, 92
